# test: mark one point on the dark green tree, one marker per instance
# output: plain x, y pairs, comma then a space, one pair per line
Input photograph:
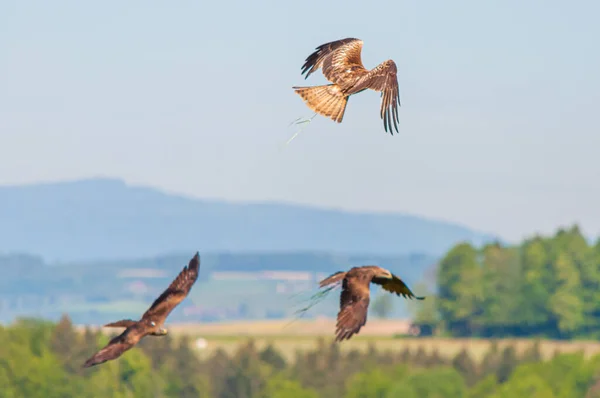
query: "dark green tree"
501, 286
466, 366
460, 289
565, 302
508, 361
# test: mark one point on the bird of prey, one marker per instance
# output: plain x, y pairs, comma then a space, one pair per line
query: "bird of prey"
354, 299
153, 319
341, 64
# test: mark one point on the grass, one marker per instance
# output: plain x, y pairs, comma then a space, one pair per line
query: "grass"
446, 347
303, 335
289, 327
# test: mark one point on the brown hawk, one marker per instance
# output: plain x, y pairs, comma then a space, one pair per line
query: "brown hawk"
342, 66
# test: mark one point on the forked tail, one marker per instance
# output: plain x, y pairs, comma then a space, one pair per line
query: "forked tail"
333, 278
326, 100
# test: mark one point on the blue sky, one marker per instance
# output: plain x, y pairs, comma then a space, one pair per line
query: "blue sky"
497, 125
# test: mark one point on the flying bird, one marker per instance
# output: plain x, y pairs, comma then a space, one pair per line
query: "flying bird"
153, 319
341, 64
354, 299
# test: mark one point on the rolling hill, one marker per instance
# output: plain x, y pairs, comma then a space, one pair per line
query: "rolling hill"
107, 219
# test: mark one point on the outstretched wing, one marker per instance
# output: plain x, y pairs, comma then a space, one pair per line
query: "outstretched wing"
395, 285
114, 349
338, 59
175, 293
354, 302
333, 278
383, 78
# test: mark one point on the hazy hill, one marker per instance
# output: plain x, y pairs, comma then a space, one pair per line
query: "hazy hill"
105, 218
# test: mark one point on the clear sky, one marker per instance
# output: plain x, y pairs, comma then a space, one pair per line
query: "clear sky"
499, 124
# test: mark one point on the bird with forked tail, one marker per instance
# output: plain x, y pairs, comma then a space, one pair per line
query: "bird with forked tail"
341, 64
355, 296
153, 319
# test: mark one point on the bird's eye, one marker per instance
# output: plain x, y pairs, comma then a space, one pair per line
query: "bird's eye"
152, 323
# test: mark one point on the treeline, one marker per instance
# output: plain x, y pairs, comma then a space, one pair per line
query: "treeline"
546, 286
40, 359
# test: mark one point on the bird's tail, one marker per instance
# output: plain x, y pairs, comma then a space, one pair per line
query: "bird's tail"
327, 100
333, 278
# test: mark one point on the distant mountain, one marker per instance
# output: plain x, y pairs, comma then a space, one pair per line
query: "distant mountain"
106, 218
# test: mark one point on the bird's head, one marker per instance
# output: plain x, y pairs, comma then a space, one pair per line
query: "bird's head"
383, 273
155, 329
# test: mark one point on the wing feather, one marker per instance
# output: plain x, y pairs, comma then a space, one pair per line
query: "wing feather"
338, 59
175, 293
114, 349
397, 286
383, 78
108, 353
354, 303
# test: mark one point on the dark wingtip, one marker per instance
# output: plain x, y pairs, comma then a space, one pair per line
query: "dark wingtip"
420, 298
195, 261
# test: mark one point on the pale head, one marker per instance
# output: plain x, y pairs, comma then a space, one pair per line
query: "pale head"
156, 330
379, 272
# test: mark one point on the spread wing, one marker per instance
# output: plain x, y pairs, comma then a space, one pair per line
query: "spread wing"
395, 285
354, 302
384, 78
333, 278
338, 59
175, 293
114, 349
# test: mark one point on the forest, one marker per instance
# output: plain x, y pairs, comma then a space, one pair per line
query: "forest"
544, 287
43, 359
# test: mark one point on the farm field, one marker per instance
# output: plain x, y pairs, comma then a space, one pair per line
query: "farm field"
288, 337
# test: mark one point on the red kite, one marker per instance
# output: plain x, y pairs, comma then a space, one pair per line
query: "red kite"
354, 300
153, 319
342, 66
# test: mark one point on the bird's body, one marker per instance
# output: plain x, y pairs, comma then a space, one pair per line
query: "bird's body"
151, 323
341, 64
355, 295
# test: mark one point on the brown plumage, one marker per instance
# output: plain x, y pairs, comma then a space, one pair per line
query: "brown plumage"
153, 319
342, 66
355, 296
